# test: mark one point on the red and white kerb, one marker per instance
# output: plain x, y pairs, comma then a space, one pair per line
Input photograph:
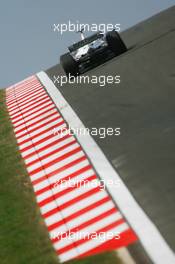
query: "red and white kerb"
50, 158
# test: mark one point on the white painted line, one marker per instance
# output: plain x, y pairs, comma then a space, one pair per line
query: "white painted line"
153, 242
124, 255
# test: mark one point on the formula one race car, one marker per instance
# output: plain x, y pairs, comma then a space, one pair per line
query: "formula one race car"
91, 51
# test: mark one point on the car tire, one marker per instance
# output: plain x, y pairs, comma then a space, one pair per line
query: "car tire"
69, 65
115, 43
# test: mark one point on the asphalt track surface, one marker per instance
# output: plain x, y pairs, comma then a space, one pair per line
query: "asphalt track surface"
143, 106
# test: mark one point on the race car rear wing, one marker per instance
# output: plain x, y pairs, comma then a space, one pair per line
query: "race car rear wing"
85, 41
